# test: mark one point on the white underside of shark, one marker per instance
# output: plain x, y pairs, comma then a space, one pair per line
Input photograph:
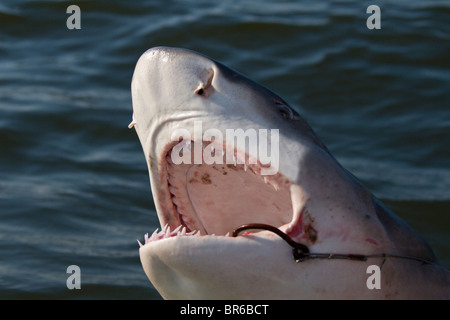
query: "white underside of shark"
307, 196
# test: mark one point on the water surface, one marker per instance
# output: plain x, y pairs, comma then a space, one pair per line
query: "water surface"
74, 186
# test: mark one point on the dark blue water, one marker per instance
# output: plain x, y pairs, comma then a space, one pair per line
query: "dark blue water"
74, 186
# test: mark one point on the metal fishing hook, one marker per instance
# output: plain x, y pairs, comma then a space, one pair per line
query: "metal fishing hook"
301, 252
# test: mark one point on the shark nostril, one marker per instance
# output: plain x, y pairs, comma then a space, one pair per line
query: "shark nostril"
205, 88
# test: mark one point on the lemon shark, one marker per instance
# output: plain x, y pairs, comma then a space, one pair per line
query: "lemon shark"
271, 216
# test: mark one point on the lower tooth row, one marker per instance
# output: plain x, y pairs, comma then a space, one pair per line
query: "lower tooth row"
166, 233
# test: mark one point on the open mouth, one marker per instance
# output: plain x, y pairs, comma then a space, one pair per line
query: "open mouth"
214, 199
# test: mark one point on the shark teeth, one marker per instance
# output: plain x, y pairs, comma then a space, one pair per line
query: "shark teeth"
271, 182
166, 233
132, 123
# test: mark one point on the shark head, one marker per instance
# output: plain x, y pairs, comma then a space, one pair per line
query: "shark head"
224, 151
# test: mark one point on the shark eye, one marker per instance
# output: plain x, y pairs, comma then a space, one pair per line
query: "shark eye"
200, 91
285, 113
284, 110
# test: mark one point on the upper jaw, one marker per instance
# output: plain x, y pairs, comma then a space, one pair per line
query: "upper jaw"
235, 102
